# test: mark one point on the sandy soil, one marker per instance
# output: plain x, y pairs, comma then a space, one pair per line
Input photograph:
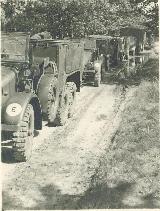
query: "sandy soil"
64, 158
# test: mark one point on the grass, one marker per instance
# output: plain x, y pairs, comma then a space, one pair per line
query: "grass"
129, 172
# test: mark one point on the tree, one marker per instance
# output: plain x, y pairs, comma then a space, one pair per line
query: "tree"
78, 18
149, 8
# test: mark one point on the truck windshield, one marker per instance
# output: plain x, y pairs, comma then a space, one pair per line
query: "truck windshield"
13, 46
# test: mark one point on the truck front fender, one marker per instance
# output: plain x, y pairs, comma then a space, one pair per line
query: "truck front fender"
14, 109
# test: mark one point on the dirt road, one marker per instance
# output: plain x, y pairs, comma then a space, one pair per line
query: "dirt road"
64, 158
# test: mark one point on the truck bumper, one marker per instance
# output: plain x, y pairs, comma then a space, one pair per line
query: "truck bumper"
5, 127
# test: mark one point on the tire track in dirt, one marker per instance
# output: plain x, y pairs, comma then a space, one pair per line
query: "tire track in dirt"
85, 97
68, 163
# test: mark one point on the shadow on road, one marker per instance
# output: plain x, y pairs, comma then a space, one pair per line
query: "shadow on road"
7, 155
99, 197
7, 151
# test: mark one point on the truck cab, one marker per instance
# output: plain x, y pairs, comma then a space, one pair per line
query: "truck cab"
20, 110
93, 62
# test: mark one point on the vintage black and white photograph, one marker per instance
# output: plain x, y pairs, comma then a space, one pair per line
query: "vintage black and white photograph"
80, 104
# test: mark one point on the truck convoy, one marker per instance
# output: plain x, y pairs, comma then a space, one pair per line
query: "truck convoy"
40, 78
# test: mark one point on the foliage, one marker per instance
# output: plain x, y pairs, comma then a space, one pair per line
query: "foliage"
149, 8
74, 18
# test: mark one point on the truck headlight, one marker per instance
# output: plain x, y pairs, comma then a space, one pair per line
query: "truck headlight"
13, 109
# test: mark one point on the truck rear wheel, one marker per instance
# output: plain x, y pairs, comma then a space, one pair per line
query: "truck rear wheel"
62, 112
53, 101
23, 138
72, 98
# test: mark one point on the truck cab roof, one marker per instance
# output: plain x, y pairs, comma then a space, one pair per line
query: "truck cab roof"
101, 37
53, 41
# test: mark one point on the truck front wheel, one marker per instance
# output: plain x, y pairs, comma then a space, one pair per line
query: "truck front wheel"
23, 138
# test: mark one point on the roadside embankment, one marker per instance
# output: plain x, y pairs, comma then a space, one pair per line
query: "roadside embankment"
128, 175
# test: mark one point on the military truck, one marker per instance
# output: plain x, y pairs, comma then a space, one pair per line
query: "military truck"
93, 62
39, 78
136, 37
112, 48
57, 67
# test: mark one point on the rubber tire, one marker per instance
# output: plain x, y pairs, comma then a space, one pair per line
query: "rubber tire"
62, 112
23, 138
97, 79
72, 98
53, 101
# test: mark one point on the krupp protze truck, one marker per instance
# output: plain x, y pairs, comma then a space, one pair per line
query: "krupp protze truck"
40, 78
93, 62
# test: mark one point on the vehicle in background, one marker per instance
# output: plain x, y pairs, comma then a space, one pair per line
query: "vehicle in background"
135, 45
136, 36
112, 48
94, 61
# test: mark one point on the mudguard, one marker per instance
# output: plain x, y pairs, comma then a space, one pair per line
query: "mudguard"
14, 108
